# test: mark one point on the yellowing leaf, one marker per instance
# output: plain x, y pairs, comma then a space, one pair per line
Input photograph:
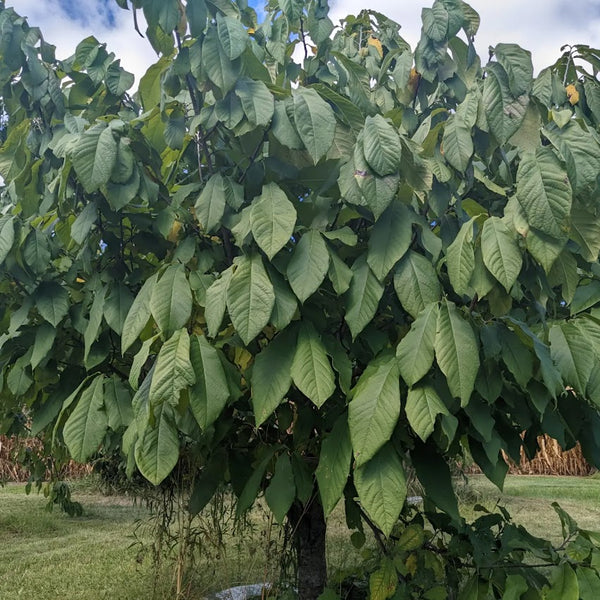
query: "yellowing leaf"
373, 41
572, 94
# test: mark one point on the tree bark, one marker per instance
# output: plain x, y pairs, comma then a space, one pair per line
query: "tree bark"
309, 528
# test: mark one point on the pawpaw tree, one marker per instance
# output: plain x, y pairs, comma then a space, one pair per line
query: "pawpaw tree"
304, 255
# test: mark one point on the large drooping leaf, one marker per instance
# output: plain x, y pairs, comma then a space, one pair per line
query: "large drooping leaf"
286, 305
36, 251
517, 357
271, 375
456, 351
423, 405
381, 146
116, 307
460, 259
311, 371
250, 297
210, 205
157, 448
381, 487
564, 584
581, 151
339, 273
504, 111
363, 296
85, 428
334, 464
173, 370
518, 66
94, 156
221, 70
570, 350
138, 315
390, 239
282, 490
44, 340
457, 143
257, 101
7, 237
374, 409
52, 302
416, 349
308, 266
84, 222
232, 36
171, 300
585, 230
209, 394
416, 283
273, 218
315, 122
117, 403
544, 192
216, 302
501, 253
92, 330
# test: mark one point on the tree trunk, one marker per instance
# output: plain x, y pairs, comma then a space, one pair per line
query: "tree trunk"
308, 523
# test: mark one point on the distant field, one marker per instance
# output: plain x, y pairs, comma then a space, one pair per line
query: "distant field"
47, 555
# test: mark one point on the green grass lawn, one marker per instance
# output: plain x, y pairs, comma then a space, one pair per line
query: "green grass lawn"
47, 555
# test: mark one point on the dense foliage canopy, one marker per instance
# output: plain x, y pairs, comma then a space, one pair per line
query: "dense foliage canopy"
306, 258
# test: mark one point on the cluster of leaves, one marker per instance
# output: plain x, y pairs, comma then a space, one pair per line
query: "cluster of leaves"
306, 276
490, 558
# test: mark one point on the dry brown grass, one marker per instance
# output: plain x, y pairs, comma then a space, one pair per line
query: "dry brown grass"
12, 470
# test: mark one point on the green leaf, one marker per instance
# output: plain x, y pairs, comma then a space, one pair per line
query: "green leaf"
171, 300
434, 474
139, 360
94, 156
210, 205
589, 583
45, 335
232, 36
157, 448
271, 375
585, 230
435, 22
504, 111
84, 222
423, 405
416, 349
381, 487
384, 581
197, 14
390, 239
308, 266
92, 330
374, 409
563, 584
517, 357
570, 351
457, 352
416, 283
36, 251
52, 302
221, 70
460, 259
7, 237
585, 297
250, 297
252, 487
216, 302
544, 192
501, 253
138, 315
363, 296
315, 122
117, 403
85, 428
273, 218
173, 370
381, 146
257, 101
282, 490
209, 395
285, 305
518, 66
116, 307
311, 371
457, 143
334, 464
118, 80
339, 273
581, 151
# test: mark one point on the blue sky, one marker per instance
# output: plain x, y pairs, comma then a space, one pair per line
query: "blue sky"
541, 26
